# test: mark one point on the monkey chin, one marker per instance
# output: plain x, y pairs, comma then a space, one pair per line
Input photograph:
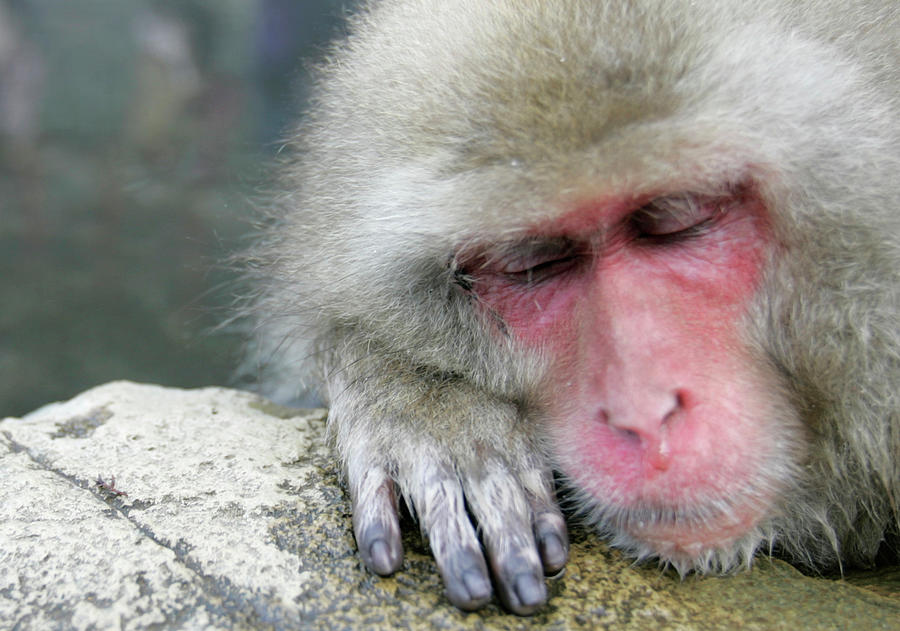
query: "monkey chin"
718, 538
709, 546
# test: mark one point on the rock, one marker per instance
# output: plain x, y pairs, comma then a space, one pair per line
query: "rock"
141, 507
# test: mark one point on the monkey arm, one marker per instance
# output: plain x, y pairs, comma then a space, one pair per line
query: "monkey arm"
396, 426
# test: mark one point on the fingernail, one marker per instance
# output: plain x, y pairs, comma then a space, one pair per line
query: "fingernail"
476, 584
530, 590
380, 558
553, 553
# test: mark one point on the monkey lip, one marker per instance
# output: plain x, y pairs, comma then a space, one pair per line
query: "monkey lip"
684, 520
672, 511
676, 515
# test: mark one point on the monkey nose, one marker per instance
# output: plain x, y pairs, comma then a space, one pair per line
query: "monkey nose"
647, 426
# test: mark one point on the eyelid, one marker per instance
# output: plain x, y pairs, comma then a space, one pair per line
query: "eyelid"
533, 261
529, 255
674, 216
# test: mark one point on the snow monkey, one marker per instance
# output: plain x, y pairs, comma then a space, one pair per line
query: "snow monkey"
650, 245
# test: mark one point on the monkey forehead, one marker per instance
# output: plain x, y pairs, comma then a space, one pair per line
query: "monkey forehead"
510, 106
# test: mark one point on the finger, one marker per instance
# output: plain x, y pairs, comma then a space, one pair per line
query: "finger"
438, 499
375, 521
549, 525
552, 540
504, 517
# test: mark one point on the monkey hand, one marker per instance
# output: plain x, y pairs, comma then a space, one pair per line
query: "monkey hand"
446, 468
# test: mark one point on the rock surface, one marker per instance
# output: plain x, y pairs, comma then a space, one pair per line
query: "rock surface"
140, 507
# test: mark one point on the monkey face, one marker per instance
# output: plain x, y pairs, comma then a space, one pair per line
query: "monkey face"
658, 412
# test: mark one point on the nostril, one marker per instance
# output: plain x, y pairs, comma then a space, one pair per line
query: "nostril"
678, 404
624, 430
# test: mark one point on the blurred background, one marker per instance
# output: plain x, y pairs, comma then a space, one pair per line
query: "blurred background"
133, 136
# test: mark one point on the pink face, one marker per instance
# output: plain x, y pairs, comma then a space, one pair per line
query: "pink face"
657, 410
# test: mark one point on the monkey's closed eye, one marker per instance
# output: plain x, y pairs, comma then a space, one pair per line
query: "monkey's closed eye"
534, 262
667, 219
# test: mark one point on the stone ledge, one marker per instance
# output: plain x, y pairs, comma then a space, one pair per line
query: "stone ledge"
227, 512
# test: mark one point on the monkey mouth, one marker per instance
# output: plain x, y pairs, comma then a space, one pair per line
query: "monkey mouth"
700, 530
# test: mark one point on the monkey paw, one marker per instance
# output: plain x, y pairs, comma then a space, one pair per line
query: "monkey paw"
522, 530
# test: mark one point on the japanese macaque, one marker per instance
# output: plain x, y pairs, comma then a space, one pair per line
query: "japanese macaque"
651, 246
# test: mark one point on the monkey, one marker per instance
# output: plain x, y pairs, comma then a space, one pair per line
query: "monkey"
643, 251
